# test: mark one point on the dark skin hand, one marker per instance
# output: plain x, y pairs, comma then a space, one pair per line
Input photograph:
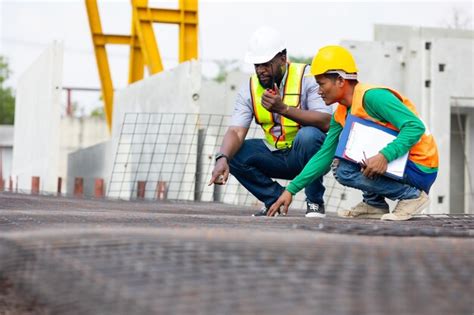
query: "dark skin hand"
233, 139
272, 101
374, 166
285, 200
220, 173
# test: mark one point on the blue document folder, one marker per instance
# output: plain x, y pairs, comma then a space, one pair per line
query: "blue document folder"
361, 137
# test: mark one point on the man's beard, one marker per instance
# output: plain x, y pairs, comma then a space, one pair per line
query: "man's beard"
276, 77
267, 85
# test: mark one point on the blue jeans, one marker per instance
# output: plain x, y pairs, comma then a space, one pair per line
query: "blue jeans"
374, 191
255, 165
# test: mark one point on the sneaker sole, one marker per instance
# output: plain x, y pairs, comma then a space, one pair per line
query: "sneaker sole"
393, 217
315, 215
264, 215
362, 216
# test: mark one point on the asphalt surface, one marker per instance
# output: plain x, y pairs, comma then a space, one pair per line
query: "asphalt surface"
74, 256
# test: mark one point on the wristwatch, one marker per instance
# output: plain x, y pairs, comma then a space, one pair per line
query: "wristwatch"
221, 155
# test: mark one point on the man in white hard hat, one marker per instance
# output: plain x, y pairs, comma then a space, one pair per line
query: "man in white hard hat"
293, 117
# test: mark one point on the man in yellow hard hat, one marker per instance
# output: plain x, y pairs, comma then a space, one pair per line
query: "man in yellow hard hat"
293, 117
335, 71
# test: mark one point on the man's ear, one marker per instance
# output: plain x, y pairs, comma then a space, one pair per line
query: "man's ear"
341, 81
283, 58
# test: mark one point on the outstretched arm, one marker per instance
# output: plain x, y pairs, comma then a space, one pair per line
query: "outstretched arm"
317, 166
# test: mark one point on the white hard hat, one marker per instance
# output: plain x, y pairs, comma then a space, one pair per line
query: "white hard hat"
264, 44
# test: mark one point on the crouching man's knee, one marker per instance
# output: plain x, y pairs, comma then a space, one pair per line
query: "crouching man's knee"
309, 136
345, 172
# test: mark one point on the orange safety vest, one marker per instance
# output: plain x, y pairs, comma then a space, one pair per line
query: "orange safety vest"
424, 152
291, 97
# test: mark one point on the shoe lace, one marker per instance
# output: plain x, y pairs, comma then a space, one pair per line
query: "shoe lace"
313, 206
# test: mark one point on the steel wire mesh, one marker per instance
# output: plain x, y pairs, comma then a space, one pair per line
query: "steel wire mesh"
86, 256
174, 155
118, 272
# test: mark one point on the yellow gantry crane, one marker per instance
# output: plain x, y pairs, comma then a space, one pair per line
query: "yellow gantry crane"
143, 45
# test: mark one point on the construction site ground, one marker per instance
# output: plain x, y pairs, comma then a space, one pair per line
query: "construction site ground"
62, 255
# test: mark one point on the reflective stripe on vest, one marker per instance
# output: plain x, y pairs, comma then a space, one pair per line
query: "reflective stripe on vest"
291, 97
425, 152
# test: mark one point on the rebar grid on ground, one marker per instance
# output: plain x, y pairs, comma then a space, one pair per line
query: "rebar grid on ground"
178, 150
81, 256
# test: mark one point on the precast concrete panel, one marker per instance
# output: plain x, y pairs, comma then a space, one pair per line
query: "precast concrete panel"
469, 179
78, 133
175, 92
90, 163
234, 82
171, 91
6, 164
6, 152
405, 34
418, 43
212, 99
378, 63
452, 92
37, 114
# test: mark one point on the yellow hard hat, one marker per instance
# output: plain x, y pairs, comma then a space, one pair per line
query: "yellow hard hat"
333, 58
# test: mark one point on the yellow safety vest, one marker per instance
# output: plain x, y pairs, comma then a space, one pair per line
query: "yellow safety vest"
424, 152
291, 97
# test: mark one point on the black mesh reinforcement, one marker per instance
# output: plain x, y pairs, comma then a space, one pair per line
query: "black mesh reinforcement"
111, 257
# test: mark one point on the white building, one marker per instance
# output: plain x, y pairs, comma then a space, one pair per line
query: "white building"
6, 153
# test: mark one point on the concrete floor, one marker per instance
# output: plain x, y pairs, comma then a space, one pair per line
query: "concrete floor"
76, 256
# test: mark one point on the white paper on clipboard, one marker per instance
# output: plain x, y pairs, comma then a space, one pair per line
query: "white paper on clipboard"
371, 140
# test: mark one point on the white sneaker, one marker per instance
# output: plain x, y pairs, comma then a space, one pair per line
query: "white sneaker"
407, 208
363, 211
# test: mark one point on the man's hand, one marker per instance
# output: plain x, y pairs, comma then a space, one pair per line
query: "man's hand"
375, 166
220, 173
271, 100
284, 200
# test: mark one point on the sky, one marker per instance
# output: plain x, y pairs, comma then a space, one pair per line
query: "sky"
28, 27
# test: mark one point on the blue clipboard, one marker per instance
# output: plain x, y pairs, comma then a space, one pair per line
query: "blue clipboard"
350, 120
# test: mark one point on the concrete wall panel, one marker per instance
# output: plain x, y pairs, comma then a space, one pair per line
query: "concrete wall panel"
90, 163
378, 63
37, 114
175, 92
450, 89
170, 91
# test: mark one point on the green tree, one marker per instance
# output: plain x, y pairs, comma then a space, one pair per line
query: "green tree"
7, 100
98, 112
301, 59
225, 66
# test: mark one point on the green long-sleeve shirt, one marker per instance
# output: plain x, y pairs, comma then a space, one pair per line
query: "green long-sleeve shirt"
382, 105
